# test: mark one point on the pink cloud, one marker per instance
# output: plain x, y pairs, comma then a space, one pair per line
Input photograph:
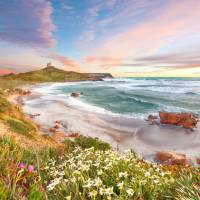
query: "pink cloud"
103, 61
27, 23
6, 71
69, 63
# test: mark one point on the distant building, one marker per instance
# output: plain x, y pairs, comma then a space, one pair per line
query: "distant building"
49, 64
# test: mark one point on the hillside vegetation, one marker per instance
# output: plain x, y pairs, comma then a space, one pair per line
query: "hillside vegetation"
48, 74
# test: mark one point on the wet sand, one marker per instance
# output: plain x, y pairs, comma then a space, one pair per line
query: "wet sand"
121, 132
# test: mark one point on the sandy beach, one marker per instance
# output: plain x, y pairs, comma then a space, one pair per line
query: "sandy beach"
124, 133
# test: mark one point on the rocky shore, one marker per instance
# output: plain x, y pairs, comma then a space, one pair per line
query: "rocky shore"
186, 120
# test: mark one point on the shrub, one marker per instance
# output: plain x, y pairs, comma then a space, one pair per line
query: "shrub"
87, 142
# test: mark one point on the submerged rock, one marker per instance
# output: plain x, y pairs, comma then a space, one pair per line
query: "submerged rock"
75, 94
187, 120
171, 158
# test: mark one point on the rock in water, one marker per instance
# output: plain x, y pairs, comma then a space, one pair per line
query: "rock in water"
75, 94
187, 120
152, 119
171, 158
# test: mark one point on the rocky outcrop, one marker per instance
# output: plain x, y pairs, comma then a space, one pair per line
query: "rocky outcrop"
22, 92
152, 119
100, 75
171, 158
187, 120
74, 135
52, 130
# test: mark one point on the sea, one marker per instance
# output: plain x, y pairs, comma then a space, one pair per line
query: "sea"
129, 97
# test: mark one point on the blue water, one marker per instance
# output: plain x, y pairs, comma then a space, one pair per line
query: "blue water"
137, 96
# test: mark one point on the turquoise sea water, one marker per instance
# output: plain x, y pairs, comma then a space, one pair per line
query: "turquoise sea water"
135, 96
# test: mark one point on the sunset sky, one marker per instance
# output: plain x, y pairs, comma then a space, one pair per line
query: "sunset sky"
123, 37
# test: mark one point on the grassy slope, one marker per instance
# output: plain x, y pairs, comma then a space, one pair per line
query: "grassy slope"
15, 119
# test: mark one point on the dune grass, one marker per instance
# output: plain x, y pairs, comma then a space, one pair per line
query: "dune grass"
21, 127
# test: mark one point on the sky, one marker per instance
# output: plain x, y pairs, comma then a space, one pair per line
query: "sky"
123, 37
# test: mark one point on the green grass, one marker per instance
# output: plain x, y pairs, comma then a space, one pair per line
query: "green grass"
5, 105
15, 119
24, 128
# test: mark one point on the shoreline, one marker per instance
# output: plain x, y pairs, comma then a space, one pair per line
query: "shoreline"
121, 133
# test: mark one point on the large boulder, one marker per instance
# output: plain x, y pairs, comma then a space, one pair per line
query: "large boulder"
169, 118
187, 120
171, 158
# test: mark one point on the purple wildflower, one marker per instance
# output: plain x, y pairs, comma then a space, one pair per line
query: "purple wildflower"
30, 168
21, 165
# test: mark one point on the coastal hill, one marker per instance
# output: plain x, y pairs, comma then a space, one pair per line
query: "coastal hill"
53, 74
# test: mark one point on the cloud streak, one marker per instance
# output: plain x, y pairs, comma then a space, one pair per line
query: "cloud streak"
27, 23
68, 63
